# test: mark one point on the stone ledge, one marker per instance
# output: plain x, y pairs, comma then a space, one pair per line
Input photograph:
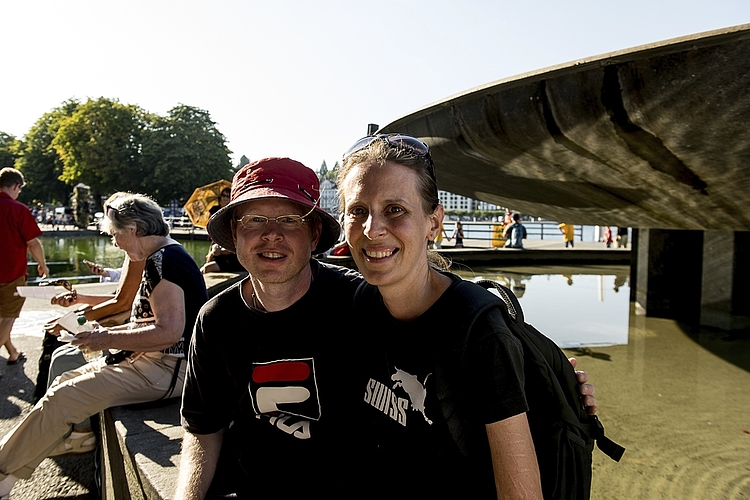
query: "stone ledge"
141, 451
141, 443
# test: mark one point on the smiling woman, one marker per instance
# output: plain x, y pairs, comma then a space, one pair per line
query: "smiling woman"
388, 193
477, 428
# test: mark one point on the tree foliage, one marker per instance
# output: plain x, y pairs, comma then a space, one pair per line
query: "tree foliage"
111, 146
38, 160
100, 144
183, 151
7, 154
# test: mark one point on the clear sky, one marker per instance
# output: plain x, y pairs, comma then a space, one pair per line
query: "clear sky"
304, 78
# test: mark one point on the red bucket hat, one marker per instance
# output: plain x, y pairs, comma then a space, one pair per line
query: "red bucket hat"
274, 178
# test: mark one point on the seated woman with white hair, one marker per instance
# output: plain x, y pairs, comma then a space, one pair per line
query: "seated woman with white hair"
151, 346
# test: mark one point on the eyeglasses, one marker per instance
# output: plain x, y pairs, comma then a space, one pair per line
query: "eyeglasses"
253, 222
398, 141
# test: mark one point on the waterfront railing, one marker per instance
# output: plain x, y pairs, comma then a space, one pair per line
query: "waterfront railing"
490, 234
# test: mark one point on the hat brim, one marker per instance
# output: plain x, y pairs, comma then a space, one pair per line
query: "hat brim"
220, 224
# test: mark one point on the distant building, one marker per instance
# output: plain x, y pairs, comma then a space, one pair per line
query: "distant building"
329, 197
329, 200
457, 202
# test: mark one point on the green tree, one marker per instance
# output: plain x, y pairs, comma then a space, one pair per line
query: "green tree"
100, 145
38, 160
332, 174
182, 151
7, 154
323, 171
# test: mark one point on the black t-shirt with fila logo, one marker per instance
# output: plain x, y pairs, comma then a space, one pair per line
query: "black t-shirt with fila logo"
283, 384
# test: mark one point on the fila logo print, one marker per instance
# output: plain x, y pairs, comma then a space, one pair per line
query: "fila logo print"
285, 388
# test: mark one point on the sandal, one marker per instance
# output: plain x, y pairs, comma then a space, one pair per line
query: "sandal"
75, 445
21, 356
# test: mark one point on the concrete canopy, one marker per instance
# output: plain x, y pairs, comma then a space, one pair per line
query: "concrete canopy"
656, 136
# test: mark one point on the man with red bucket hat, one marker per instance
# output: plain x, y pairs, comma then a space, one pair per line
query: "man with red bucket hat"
263, 361
270, 391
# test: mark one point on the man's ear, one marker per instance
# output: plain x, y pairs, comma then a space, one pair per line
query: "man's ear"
315, 231
234, 232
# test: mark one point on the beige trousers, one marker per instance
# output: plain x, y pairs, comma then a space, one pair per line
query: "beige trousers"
75, 395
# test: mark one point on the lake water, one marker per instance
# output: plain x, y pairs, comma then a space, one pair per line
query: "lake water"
580, 306
65, 255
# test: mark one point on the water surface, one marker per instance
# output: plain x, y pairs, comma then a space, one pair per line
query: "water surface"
65, 254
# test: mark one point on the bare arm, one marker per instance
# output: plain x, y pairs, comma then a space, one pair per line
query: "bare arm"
514, 459
37, 251
68, 299
132, 272
168, 306
200, 453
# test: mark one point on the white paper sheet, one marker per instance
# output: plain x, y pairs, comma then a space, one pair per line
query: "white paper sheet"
69, 321
37, 292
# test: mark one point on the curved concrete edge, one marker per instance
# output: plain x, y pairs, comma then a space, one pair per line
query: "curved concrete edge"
141, 451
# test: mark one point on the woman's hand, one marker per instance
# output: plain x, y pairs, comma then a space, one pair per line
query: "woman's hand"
95, 340
66, 299
587, 391
96, 268
53, 328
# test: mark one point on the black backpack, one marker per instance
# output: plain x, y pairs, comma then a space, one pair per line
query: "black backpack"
563, 433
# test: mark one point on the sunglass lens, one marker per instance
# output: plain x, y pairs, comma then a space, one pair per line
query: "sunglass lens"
408, 142
360, 144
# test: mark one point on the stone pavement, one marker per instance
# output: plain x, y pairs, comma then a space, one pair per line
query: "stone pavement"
58, 478
70, 477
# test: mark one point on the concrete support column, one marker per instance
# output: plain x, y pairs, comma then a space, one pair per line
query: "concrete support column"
725, 298
668, 273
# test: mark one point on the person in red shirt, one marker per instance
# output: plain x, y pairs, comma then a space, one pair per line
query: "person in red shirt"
19, 232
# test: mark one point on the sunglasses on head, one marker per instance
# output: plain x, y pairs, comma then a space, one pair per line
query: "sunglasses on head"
398, 141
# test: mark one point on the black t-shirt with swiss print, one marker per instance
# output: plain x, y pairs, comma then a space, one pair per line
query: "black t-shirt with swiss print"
416, 455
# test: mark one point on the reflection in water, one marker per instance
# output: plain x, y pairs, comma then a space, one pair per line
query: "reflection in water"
620, 281
676, 398
65, 254
574, 306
